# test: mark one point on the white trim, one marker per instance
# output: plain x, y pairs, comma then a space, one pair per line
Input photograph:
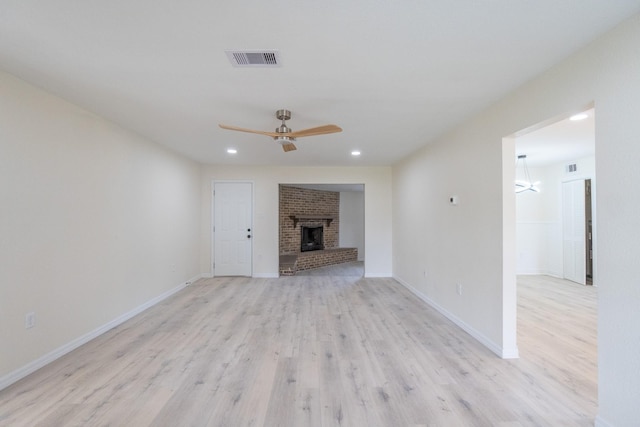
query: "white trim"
582, 177
266, 276
511, 353
539, 222
540, 273
212, 235
33, 366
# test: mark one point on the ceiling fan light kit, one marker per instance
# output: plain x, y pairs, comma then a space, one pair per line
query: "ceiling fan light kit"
283, 134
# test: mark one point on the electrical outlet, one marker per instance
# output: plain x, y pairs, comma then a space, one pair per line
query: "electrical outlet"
30, 320
459, 288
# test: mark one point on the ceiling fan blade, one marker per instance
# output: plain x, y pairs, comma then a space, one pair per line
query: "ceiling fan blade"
259, 132
288, 147
320, 130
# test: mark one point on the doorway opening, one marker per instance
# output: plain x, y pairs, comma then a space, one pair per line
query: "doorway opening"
556, 225
321, 229
554, 240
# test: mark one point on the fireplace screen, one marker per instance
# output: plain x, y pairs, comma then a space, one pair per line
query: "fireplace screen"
311, 238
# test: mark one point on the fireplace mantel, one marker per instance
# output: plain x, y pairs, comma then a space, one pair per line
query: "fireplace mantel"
297, 218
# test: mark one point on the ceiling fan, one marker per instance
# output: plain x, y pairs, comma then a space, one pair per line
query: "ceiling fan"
284, 135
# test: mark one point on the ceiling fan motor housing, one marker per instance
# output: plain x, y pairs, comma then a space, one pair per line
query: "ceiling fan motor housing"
283, 128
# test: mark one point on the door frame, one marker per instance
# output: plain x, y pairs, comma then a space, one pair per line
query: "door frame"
212, 235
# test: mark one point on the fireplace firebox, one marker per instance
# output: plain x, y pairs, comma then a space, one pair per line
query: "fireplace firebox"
311, 238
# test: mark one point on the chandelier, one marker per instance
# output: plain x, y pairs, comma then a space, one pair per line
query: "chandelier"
526, 184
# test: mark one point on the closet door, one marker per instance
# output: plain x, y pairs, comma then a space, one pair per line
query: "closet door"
573, 231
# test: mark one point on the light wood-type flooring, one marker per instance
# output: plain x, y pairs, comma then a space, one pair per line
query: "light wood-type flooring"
320, 351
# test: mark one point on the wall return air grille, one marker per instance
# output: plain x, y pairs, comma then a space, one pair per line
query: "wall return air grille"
254, 58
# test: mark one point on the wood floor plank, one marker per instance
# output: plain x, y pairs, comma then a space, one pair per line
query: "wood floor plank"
320, 350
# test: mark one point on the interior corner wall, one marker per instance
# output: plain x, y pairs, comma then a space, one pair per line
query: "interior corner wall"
352, 221
437, 246
95, 223
377, 222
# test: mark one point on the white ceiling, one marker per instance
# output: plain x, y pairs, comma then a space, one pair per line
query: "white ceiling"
393, 75
563, 141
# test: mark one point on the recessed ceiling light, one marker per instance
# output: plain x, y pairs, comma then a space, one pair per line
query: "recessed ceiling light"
232, 150
580, 116
355, 153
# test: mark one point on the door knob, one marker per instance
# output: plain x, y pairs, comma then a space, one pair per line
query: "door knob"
248, 229
248, 236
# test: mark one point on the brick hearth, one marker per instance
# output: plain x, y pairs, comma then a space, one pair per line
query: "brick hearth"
290, 264
316, 259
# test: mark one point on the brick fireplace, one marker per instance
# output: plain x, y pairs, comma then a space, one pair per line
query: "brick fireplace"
314, 210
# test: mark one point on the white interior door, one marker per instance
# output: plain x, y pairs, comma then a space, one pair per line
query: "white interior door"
232, 229
573, 231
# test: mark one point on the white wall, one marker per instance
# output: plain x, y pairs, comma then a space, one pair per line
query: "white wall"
377, 182
465, 243
539, 218
438, 246
352, 221
95, 222
539, 225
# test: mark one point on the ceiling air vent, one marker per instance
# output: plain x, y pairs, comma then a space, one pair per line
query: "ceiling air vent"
254, 58
572, 168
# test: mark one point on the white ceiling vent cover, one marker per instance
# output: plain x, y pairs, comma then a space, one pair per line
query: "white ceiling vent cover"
254, 58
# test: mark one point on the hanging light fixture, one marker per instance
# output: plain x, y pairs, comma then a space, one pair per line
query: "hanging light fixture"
526, 184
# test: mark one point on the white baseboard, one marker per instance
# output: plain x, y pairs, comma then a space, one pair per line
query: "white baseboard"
531, 272
539, 273
553, 274
33, 366
510, 353
266, 276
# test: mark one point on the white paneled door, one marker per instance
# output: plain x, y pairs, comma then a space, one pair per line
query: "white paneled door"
232, 232
573, 231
